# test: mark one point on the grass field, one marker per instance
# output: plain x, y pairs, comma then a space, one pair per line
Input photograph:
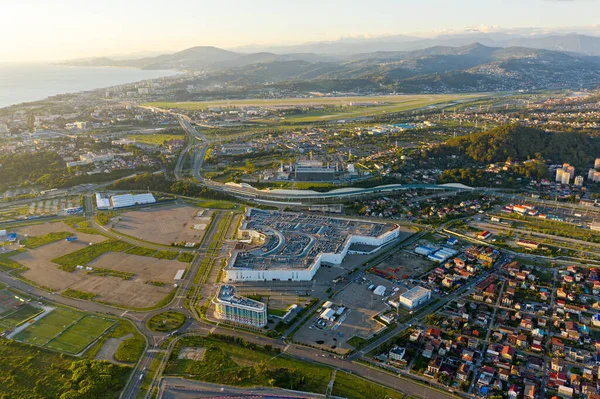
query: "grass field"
141, 251
38, 241
7, 264
352, 387
216, 204
166, 321
78, 337
65, 330
236, 362
41, 332
382, 105
11, 319
170, 255
85, 255
155, 139
186, 257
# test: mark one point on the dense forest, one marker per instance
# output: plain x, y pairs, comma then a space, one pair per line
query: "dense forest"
520, 143
35, 167
30, 372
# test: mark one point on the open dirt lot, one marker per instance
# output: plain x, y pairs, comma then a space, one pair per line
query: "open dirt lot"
46, 228
41, 269
403, 262
144, 268
131, 293
164, 225
196, 354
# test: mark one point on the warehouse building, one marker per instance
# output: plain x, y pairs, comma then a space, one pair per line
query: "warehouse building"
104, 202
415, 297
232, 307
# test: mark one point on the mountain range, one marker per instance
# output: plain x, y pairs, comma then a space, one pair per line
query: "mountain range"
472, 67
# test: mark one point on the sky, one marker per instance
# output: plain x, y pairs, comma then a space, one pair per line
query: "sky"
33, 30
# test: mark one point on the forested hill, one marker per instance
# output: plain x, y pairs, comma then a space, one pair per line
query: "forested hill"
521, 143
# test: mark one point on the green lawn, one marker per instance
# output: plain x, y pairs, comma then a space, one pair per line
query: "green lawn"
7, 264
236, 362
130, 350
216, 204
353, 387
141, 251
13, 319
77, 338
186, 257
38, 241
166, 321
170, 255
42, 331
71, 293
276, 312
87, 254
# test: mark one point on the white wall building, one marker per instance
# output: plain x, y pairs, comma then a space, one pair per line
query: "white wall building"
233, 273
415, 297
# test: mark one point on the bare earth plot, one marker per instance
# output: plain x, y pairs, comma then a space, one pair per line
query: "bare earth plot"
145, 268
132, 293
41, 269
402, 263
42, 229
165, 225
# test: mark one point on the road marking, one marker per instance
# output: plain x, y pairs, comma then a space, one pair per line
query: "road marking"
124, 313
286, 348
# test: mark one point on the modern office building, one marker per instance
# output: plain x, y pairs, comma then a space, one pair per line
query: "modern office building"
232, 307
414, 297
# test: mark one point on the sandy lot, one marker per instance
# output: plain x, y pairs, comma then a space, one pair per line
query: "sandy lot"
43, 271
404, 262
145, 268
165, 225
41, 229
131, 293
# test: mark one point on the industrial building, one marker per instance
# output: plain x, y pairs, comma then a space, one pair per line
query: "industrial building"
104, 202
294, 245
312, 170
415, 297
232, 307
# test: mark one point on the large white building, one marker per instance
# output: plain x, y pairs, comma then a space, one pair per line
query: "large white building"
104, 202
274, 265
232, 307
415, 297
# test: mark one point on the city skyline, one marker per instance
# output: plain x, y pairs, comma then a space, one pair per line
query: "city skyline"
85, 30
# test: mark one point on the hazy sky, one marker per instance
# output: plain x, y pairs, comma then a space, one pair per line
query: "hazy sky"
60, 29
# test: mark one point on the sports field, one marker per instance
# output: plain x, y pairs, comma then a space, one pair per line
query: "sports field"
11, 318
65, 330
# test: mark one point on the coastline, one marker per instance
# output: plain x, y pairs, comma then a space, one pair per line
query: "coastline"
32, 82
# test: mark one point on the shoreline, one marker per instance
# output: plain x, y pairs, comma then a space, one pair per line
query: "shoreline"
56, 85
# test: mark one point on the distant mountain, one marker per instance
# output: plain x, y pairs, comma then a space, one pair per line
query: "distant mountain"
202, 57
577, 43
474, 67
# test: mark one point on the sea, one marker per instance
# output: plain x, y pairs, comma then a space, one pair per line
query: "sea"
30, 82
